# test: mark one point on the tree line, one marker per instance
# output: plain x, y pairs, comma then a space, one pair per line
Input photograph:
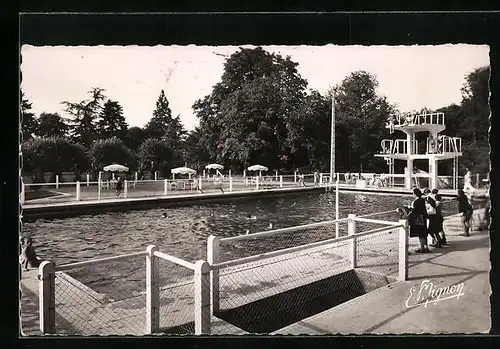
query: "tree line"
260, 112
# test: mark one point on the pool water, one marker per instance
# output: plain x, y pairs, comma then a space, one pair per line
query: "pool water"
183, 231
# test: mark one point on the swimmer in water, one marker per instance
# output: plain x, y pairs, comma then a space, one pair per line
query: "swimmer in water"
247, 232
294, 203
249, 216
211, 214
271, 225
164, 215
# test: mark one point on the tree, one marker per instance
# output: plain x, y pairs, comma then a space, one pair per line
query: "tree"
53, 154
154, 152
244, 120
84, 115
163, 125
112, 123
111, 151
362, 116
475, 109
195, 151
29, 123
134, 137
51, 125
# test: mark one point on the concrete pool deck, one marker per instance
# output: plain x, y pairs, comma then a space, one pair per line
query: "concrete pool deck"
68, 208
465, 260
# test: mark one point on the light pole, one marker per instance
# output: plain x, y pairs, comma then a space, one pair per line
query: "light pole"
332, 141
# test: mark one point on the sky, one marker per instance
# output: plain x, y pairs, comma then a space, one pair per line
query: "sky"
412, 77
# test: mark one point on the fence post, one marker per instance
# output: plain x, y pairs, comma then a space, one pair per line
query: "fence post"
152, 291
351, 231
295, 176
135, 179
156, 176
477, 181
99, 186
200, 183
77, 190
202, 312
23, 191
213, 250
57, 181
257, 182
88, 180
403, 250
47, 297
337, 207
125, 188
320, 179
281, 181
230, 183
276, 178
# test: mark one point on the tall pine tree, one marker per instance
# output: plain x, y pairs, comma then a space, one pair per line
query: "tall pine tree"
163, 126
84, 116
29, 124
111, 122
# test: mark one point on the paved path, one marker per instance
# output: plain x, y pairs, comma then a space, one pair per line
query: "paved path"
466, 261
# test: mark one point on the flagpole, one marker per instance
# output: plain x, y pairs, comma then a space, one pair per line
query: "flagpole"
332, 142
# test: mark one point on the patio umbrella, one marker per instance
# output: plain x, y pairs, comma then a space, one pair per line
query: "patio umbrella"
115, 168
257, 168
214, 167
183, 170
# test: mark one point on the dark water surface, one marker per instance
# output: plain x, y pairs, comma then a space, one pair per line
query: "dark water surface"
184, 231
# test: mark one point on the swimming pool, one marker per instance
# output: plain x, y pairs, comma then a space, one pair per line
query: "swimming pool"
183, 231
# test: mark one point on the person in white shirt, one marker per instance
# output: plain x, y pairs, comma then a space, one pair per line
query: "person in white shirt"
468, 188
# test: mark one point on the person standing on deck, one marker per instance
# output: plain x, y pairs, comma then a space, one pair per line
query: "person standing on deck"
468, 188
119, 186
417, 220
432, 221
466, 209
440, 217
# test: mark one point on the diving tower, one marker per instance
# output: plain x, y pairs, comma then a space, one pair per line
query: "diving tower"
438, 147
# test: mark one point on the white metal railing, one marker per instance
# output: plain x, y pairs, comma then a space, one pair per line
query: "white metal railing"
419, 119
214, 244
201, 281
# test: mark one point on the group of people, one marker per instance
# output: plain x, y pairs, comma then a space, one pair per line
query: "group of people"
425, 217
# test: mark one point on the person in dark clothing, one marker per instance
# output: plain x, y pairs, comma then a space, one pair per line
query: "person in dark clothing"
465, 208
417, 220
28, 256
119, 186
433, 226
440, 217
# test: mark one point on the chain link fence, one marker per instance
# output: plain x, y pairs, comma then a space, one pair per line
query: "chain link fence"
101, 299
282, 278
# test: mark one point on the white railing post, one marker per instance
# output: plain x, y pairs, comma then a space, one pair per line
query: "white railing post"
125, 188
257, 182
477, 180
337, 207
351, 231
23, 192
230, 183
244, 173
200, 184
99, 186
204, 174
202, 311
77, 190
295, 177
213, 250
156, 175
88, 180
276, 177
135, 179
47, 297
281, 181
57, 181
403, 250
165, 186
152, 291
321, 179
